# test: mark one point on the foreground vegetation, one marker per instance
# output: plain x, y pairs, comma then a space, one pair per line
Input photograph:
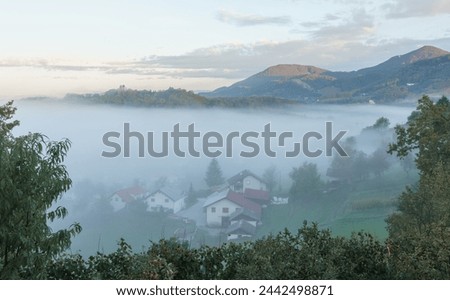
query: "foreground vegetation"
417, 247
309, 254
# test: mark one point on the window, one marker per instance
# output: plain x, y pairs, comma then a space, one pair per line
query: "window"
225, 210
213, 209
167, 200
152, 200
237, 209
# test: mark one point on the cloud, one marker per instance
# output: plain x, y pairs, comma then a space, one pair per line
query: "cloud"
357, 25
234, 61
48, 65
173, 72
416, 8
309, 24
242, 60
360, 25
251, 20
331, 17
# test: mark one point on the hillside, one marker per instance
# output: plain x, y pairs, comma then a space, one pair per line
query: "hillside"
426, 70
170, 98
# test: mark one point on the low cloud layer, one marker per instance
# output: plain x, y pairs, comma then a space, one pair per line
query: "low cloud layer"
416, 8
238, 19
331, 49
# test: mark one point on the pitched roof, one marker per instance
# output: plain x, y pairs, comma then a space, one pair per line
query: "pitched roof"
240, 200
215, 197
236, 198
128, 195
257, 195
241, 175
245, 214
241, 227
172, 193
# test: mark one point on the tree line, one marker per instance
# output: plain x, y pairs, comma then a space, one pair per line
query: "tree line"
171, 98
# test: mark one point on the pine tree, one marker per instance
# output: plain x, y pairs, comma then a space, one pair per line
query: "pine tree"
214, 176
191, 198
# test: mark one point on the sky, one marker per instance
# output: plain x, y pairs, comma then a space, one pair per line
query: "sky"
54, 47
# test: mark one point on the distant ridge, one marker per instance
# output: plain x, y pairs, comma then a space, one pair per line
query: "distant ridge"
425, 70
291, 71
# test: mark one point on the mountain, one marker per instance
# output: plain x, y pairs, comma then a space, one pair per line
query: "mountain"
425, 70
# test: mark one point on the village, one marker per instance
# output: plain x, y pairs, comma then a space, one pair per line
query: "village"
234, 207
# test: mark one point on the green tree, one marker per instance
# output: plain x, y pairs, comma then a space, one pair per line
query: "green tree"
191, 197
306, 183
214, 175
359, 166
379, 162
381, 124
32, 179
419, 232
269, 176
428, 131
407, 163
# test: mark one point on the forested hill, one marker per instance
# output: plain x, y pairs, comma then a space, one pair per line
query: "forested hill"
408, 76
172, 98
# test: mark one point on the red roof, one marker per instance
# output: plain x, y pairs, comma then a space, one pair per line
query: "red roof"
257, 195
130, 194
240, 200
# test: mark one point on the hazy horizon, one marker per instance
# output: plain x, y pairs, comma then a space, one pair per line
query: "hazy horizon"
51, 48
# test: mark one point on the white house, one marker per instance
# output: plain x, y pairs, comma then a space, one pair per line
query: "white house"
246, 180
122, 198
165, 199
221, 205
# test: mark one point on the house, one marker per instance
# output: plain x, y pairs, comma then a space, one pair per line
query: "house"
240, 230
219, 206
166, 199
122, 198
243, 223
245, 215
246, 180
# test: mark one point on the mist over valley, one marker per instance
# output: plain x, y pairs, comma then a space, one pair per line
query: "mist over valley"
97, 178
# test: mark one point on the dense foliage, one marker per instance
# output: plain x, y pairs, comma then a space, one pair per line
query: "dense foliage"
171, 98
309, 254
32, 178
420, 231
307, 184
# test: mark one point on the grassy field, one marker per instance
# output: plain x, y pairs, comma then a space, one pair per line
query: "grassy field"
358, 206
102, 233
